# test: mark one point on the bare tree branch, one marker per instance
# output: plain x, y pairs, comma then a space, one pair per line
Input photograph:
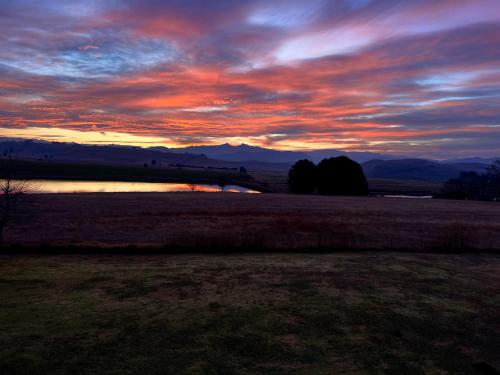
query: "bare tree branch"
11, 191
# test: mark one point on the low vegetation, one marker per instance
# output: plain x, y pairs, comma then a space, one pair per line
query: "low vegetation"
360, 313
277, 222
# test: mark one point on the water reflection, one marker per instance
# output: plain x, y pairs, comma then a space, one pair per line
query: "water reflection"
58, 186
408, 196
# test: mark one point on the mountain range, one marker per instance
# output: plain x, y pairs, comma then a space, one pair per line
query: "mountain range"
250, 157
245, 152
419, 169
122, 155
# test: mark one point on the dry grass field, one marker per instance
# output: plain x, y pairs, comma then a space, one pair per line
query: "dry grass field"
295, 309
225, 221
345, 313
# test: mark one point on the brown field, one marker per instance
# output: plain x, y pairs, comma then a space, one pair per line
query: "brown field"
355, 312
223, 221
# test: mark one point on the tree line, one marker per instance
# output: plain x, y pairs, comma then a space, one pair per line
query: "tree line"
333, 176
474, 186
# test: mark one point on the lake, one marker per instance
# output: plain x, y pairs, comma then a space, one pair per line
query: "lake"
60, 186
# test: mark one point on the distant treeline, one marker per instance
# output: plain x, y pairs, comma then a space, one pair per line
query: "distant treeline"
474, 186
240, 169
333, 176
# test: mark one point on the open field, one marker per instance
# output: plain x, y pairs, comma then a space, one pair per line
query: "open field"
225, 221
276, 182
264, 181
364, 313
405, 187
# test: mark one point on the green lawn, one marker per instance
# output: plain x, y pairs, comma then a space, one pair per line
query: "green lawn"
354, 313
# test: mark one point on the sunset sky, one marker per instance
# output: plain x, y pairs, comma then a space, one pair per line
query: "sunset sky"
413, 77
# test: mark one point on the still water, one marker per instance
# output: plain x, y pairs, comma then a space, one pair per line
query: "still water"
59, 186
408, 196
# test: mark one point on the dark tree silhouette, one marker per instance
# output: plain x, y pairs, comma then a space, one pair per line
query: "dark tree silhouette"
494, 169
222, 182
493, 177
243, 170
302, 177
341, 176
493, 172
468, 185
11, 192
473, 186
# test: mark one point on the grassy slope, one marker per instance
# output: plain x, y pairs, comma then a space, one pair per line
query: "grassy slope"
260, 314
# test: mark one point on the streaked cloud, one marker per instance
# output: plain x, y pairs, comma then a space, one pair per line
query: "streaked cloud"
413, 77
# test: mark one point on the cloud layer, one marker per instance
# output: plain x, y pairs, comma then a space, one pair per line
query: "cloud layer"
419, 77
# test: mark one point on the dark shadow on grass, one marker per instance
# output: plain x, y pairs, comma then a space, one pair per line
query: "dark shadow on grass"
207, 249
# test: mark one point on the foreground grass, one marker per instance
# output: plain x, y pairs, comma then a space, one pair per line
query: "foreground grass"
276, 314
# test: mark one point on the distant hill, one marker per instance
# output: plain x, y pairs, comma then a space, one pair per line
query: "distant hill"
488, 161
109, 154
120, 155
240, 153
418, 169
358, 156
227, 156
246, 152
